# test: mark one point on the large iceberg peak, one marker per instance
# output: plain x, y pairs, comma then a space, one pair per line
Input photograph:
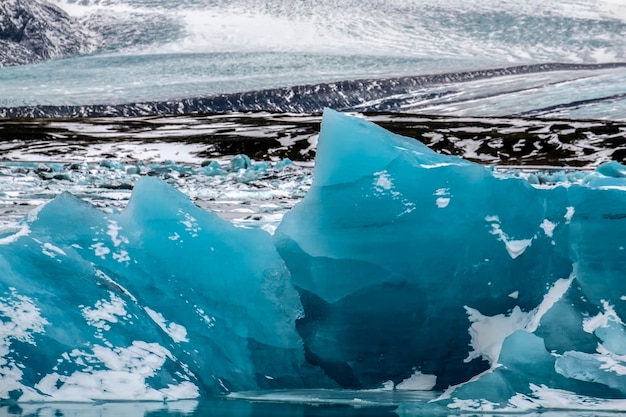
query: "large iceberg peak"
411, 261
352, 148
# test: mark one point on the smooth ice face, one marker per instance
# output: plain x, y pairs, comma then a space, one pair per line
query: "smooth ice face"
161, 301
410, 261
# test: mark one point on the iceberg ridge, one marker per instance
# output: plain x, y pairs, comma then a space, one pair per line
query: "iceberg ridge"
400, 268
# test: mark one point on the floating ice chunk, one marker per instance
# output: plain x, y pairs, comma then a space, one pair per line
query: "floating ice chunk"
153, 291
356, 260
240, 162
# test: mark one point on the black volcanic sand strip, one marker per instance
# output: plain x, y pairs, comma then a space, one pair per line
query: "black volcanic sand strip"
264, 136
343, 95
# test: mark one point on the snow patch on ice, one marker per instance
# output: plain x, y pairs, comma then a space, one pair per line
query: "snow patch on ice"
488, 332
124, 379
548, 227
418, 382
21, 320
515, 247
569, 214
105, 312
382, 181
24, 230
591, 324
177, 332
52, 251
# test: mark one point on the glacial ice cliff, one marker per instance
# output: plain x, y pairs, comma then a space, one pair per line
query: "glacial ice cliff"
400, 268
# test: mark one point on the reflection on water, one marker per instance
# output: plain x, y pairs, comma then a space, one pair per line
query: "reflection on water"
217, 408
314, 403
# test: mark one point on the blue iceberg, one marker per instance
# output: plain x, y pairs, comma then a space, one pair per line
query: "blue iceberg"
160, 301
400, 269
412, 264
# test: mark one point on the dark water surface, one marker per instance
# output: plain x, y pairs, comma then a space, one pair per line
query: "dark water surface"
248, 408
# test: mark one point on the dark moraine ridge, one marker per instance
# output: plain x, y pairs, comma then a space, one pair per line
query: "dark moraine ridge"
342, 95
263, 136
34, 31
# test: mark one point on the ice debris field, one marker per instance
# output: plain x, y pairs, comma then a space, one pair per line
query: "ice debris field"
400, 269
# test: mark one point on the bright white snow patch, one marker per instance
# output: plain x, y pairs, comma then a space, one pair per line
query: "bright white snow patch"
554, 294
191, 224
439, 165
122, 256
100, 250
105, 312
591, 324
548, 227
513, 246
382, 181
442, 202
114, 233
209, 320
418, 382
52, 251
177, 332
21, 319
443, 197
124, 379
569, 214
488, 332
383, 186
23, 231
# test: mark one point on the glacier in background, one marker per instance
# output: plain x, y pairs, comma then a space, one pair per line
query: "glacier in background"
401, 268
560, 58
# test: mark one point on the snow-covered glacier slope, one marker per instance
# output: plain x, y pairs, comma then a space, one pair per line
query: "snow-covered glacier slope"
401, 268
33, 31
549, 58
